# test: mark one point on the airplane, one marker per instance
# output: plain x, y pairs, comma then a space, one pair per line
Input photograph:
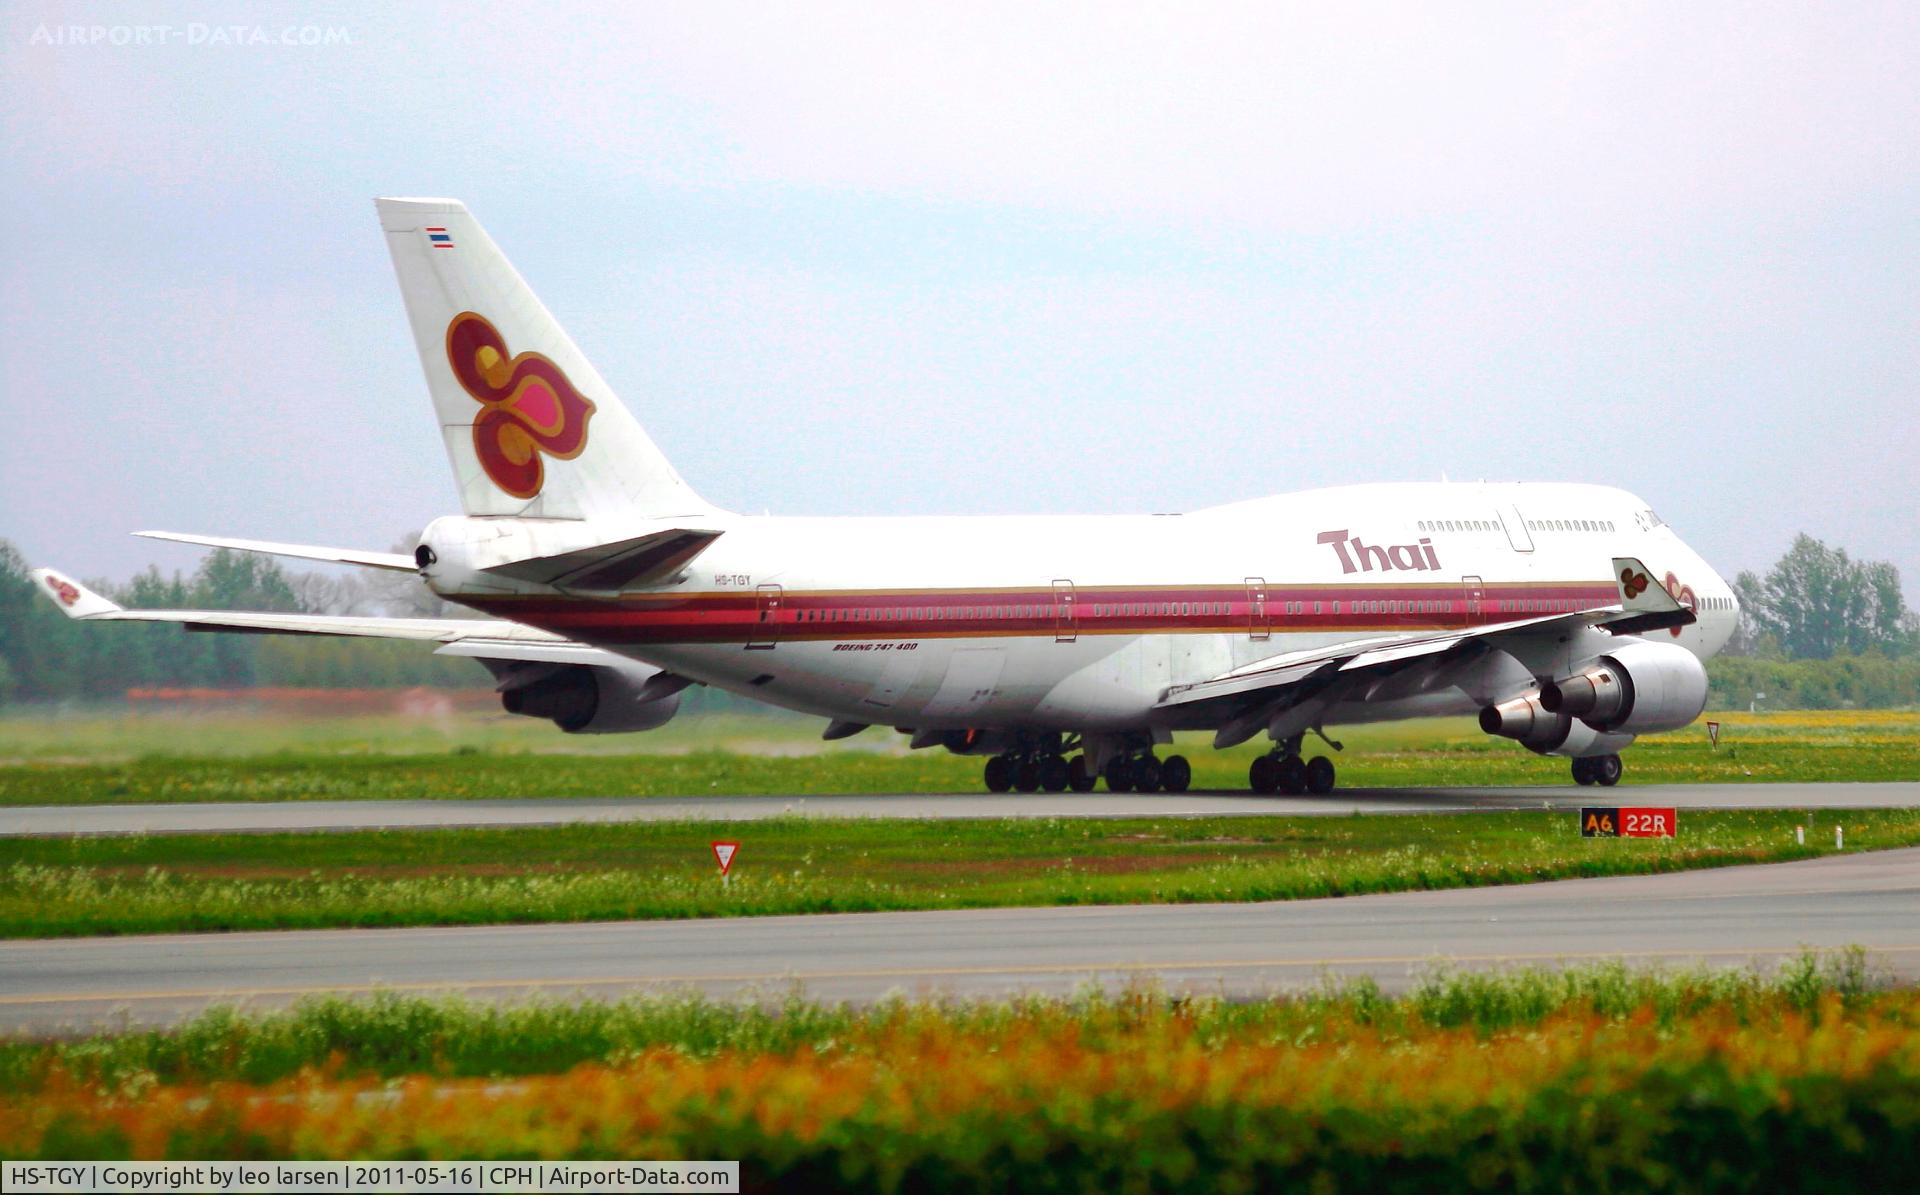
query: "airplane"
1061, 650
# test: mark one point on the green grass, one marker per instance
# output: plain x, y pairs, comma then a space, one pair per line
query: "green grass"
159, 759
390, 1035
74, 886
1602, 1080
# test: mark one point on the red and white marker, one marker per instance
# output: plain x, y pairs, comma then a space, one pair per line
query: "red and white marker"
724, 852
1713, 733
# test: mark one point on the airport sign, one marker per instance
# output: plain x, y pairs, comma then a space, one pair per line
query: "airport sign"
1618, 822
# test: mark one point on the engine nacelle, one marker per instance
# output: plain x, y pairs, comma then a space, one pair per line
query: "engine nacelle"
1637, 688
1533, 726
1527, 722
591, 699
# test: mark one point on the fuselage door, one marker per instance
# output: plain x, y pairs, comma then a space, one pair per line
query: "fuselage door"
1065, 629
1516, 526
1257, 625
1476, 595
765, 631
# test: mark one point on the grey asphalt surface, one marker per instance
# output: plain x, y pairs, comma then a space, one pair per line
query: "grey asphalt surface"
1730, 916
22, 820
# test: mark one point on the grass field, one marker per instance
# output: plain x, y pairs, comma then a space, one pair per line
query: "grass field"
233, 757
54, 887
1593, 1079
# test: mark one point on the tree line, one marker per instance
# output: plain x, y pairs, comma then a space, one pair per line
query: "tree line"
1819, 630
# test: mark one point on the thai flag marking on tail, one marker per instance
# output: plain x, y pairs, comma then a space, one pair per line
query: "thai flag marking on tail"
439, 238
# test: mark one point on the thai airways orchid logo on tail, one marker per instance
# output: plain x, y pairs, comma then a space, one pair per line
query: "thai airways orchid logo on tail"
530, 406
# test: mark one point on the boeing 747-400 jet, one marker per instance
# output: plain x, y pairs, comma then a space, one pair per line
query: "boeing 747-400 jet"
1063, 650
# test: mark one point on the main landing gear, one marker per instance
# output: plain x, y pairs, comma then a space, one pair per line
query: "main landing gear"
1124, 774
1143, 773
1283, 771
1032, 771
1057, 762
1603, 770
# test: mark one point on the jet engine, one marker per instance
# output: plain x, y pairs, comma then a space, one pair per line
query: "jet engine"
593, 699
1637, 688
1544, 732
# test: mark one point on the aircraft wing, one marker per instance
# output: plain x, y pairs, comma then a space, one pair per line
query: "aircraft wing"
1245, 697
480, 638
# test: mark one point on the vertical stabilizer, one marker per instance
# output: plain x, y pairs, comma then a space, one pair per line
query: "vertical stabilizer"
531, 428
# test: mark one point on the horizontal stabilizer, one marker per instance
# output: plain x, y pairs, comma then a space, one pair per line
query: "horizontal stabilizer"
388, 560
611, 568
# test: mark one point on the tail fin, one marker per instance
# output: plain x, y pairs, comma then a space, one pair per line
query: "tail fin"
531, 429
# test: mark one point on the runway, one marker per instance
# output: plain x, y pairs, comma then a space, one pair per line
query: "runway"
1730, 916
262, 816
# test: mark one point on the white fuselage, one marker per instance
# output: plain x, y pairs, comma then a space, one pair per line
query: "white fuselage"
1084, 622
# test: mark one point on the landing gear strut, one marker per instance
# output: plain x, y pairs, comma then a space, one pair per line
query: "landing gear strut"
1603, 770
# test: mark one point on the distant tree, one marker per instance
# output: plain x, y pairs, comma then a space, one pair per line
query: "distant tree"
1817, 602
1749, 637
230, 580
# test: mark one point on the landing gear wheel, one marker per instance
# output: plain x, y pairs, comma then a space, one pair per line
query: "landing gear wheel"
1146, 774
999, 774
1119, 774
1583, 771
1263, 775
1293, 776
1176, 774
1320, 775
1026, 776
1606, 770
1080, 777
1053, 774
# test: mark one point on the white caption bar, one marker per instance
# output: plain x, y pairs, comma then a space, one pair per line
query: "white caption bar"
328, 1178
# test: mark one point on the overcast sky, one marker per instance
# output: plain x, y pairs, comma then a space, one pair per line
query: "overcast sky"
959, 259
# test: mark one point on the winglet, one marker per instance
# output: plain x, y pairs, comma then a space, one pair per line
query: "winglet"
1645, 604
1639, 592
74, 599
